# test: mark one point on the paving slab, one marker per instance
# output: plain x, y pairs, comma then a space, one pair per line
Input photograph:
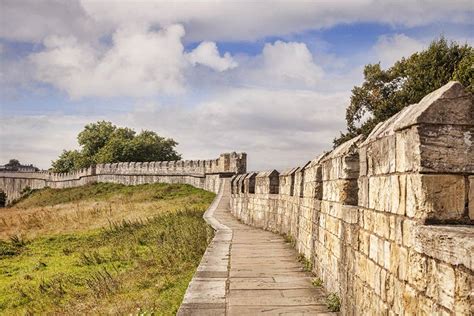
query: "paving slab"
249, 271
270, 283
320, 310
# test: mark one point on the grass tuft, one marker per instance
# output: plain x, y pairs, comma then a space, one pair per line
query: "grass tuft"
289, 239
333, 302
317, 282
307, 264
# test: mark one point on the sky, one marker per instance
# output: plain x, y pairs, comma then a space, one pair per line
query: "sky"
270, 78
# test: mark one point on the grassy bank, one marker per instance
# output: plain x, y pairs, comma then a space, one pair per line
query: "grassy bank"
132, 250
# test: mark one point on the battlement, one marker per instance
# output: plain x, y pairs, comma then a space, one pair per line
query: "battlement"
387, 221
196, 172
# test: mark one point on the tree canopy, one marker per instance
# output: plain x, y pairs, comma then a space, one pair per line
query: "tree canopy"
13, 163
385, 92
103, 142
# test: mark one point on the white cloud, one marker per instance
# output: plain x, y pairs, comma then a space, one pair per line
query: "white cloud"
277, 128
284, 64
38, 139
207, 54
139, 63
390, 48
280, 65
30, 20
249, 20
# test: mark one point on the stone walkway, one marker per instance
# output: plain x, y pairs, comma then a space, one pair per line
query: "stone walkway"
249, 271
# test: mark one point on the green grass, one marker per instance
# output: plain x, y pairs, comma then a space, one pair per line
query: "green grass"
317, 282
307, 264
289, 239
107, 191
333, 302
140, 266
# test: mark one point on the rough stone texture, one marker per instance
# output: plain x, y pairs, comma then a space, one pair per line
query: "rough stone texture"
471, 198
443, 242
368, 213
267, 182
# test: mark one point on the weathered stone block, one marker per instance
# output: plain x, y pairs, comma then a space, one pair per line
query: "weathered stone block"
387, 193
435, 197
287, 182
373, 247
382, 225
408, 232
446, 285
403, 264
363, 198
387, 255
399, 200
463, 304
369, 220
370, 273
471, 198
441, 148
380, 254
267, 182
381, 156
342, 162
350, 214
450, 244
364, 242
410, 300
417, 270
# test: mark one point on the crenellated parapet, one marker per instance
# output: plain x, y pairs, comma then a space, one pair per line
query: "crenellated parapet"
201, 173
227, 163
387, 221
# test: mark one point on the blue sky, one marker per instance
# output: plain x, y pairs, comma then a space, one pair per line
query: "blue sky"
269, 78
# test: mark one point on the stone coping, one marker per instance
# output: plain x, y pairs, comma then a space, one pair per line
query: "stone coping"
453, 244
206, 293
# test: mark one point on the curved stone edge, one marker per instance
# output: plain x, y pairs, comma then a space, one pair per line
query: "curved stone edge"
206, 293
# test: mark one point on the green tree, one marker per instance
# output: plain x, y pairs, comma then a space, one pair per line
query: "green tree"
95, 136
103, 142
13, 163
385, 92
71, 160
146, 146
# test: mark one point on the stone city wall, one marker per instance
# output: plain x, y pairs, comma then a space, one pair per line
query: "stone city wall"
204, 174
386, 221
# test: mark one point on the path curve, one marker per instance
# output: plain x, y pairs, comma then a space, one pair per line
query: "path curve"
249, 271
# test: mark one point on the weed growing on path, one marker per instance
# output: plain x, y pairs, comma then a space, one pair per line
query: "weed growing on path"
333, 302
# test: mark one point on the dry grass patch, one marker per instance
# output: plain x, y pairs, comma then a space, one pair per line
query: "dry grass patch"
51, 211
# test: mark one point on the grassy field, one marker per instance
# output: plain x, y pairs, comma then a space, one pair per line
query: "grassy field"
101, 249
